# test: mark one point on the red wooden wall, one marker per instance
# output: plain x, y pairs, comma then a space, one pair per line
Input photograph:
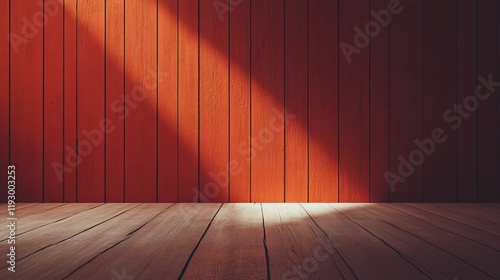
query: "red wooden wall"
250, 100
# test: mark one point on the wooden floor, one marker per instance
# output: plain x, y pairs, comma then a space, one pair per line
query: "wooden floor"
254, 241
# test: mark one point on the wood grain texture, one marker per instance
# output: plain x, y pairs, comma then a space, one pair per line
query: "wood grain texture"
167, 100
188, 190
471, 221
354, 244
53, 100
214, 106
268, 119
296, 97
379, 102
4, 88
164, 240
70, 107
141, 87
461, 229
111, 233
236, 225
323, 101
406, 66
479, 256
487, 51
45, 215
115, 105
256, 241
298, 248
239, 102
26, 97
354, 105
467, 79
42, 237
439, 92
90, 101
433, 261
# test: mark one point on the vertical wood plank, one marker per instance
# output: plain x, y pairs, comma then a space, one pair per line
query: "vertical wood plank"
467, 78
296, 138
354, 105
53, 100
214, 111
406, 99
115, 93
90, 101
4, 88
27, 99
267, 143
440, 89
379, 101
323, 100
239, 102
188, 101
487, 112
498, 102
140, 87
167, 101
70, 120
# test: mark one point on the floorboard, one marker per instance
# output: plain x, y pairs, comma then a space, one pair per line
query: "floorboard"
368, 256
434, 262
254, 241
39, 216
471, 212
57, 232
483, 206
474, 253
25, 209
298, 248
464, 230
159, 249
44, 264
233, 246
477, 223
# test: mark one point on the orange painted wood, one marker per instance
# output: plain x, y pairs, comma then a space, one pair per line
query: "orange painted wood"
239, 102
439, 93
354, 107
115, 105
487, 52
90, 101
379, 102
26, 115
214, 106
323, 101
167, 101
4, 89
406, 98
188, 102
467, 78
267, 113
53, 100
296, 96
141, 89
69, 122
